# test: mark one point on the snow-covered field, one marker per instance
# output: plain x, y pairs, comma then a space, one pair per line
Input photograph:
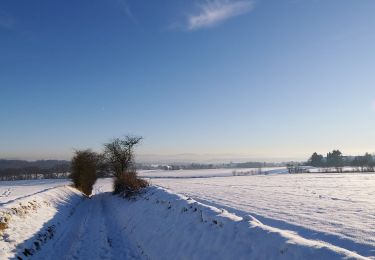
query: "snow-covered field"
12, 190
338, 208
268, 216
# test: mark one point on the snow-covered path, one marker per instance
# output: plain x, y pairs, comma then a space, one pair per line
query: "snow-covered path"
93, 232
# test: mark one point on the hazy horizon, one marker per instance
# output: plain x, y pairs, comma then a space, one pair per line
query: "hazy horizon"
193, 158
182, 158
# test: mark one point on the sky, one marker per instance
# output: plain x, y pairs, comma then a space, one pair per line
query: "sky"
197, 79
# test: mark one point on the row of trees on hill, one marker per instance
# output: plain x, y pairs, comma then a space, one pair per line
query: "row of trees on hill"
33, 173
117, 160
335, 159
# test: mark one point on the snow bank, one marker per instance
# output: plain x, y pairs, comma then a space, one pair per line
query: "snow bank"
165, 225
13, 190
30, 222
335, 208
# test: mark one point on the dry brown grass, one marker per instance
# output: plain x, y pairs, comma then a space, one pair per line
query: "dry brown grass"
129, 184
4, 220
3, 226
21, 211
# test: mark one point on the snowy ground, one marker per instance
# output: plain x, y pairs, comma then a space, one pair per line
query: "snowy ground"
94, 231
338, 208
268, 216
12, 190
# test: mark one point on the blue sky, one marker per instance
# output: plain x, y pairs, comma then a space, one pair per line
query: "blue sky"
256, 79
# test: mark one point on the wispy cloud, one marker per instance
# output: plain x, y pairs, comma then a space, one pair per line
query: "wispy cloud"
126, 9
212, 12
6, 20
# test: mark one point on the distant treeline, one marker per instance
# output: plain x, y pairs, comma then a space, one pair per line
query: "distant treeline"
141, 166
42, 164
253, 165
23, 170
335, 159
198, 166
50, 169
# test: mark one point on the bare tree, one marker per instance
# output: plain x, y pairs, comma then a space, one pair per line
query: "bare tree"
119, 154
120, 158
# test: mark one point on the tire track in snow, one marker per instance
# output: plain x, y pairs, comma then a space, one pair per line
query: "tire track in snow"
117, 235
92, 232
67, 235
93, 241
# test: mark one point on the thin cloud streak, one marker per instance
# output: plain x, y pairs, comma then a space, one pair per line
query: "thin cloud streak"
214, 12
126, 9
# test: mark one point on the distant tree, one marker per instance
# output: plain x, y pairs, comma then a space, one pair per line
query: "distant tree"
290, 166
357, 162
316, 160
335, 159
85, 165
372, 164
368, 161
120, 154
294, 167
120, 158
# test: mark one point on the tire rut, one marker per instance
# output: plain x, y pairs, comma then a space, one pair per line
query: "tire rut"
91, 232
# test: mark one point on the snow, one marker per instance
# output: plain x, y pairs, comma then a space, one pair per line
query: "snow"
164, 224
195, 216
12, 190
92, 232
61, 223
337, 208
33, 219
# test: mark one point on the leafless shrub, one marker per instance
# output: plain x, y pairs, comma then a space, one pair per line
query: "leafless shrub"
129, 184
85, 165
